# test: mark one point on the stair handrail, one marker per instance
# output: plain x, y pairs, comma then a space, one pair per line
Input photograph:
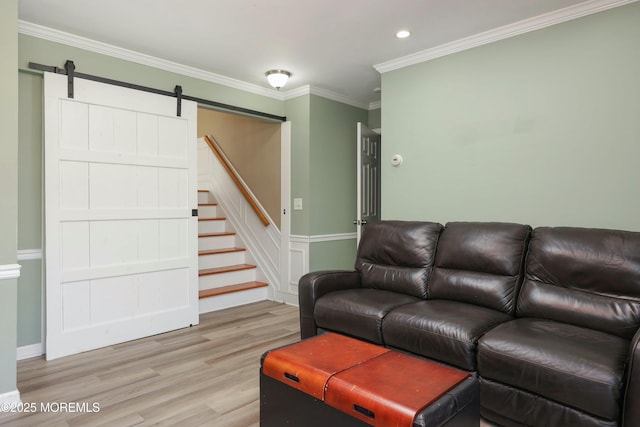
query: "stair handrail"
215, 147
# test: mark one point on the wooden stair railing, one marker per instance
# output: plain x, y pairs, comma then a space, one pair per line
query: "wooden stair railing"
213, 144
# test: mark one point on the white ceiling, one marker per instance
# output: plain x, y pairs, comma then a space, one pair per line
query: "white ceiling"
329, 44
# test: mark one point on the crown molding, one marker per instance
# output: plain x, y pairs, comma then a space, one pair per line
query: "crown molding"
324, 93
536, 23
294, 93
375, 105
50, 34
338, 97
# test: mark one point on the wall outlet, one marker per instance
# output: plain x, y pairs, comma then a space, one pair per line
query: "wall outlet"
297, 204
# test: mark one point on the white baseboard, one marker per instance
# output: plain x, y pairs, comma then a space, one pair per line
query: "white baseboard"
29, 351
287, 298
12, 397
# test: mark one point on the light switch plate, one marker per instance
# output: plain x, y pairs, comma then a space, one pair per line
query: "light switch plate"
297, 204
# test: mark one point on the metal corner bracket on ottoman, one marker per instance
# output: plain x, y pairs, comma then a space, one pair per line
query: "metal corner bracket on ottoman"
334, 380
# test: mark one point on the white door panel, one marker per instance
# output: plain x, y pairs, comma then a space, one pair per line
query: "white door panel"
121, 244
286, 285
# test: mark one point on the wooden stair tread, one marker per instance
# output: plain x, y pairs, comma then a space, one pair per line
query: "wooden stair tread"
212, 219
226, 269
207, 204
222, 233
230, 288
220, 251
203, 191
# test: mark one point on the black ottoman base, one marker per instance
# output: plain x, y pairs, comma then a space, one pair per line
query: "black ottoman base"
281, 405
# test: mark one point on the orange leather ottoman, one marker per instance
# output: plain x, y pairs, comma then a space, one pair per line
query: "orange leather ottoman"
333, 380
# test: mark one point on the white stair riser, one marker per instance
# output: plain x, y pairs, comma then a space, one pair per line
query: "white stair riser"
221, 260
203, 197
207, 211
225, 279
233, 299
216, 226
216, 242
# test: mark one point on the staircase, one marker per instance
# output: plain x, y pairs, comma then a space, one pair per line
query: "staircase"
228, 276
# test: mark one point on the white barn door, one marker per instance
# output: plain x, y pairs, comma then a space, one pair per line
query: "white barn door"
120, 238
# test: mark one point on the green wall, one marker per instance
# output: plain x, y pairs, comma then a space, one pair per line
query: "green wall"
297, 111
375, 118
324, 175
332, 204
30, 303
337, 254
333, 165
9, 180
30, 207
541, 128
30, 154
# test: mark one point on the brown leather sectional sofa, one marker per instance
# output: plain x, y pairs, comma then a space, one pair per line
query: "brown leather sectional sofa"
547, 318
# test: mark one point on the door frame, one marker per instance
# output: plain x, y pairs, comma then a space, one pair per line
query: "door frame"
361, 131
285, 210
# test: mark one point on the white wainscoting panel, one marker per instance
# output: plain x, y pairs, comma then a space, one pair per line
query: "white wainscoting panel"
299, 261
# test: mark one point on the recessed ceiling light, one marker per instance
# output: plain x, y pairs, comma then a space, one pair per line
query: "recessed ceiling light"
403, 34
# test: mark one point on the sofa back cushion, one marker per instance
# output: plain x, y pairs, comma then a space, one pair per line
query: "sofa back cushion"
480, 263
398, 255
585, 277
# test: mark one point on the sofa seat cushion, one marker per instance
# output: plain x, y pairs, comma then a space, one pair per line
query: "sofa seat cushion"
575, 366
443, 330
358, 312
509, 406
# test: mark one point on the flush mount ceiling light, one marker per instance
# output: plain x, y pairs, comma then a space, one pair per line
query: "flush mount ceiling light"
403, 34
277, 78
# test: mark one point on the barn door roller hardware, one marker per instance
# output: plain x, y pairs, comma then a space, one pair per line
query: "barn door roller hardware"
70, 71
70, 67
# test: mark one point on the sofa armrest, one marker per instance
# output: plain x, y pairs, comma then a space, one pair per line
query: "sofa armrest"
631, 409
316, 284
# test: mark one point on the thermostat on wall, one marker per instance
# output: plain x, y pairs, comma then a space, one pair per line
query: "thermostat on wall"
396, 160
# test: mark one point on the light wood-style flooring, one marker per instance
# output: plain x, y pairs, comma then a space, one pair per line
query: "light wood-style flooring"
206, 375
